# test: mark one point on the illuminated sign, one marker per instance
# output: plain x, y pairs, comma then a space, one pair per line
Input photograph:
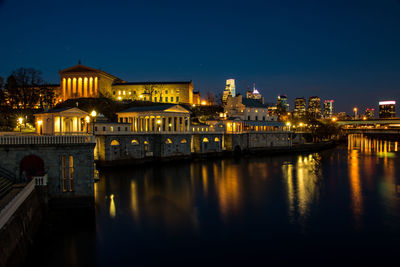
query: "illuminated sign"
387, 103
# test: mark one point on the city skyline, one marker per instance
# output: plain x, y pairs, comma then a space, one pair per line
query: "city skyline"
342, 51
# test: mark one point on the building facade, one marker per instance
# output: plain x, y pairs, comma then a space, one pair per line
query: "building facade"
314, 107
387, 109
230, 90
300, 107
82, 81
328, 109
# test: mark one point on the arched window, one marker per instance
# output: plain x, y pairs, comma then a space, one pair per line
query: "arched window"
114, 143
168, 141
205, 140
146, 142
183, 141
216, 139
135, 142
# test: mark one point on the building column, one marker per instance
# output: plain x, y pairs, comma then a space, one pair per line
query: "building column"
96, 85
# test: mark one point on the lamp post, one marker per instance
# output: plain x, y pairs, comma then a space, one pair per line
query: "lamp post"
20, 120
288, 124
87, 119
93, 114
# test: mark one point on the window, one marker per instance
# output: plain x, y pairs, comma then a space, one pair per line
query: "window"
155, 99
166, 92
111, 129
126, 129
168, 141
95, 128
104, 128
64, 171
216, 139
166, 99
119, 129
248, 117
205, 140
183, 141
177, 99
71, 173
135, 142
256, 118
172, 99
114, 143
113, 92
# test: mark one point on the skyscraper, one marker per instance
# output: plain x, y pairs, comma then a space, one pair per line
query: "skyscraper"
314, 107
282, 104
328, 109
230, 90
369, 113
387, 109
300, 106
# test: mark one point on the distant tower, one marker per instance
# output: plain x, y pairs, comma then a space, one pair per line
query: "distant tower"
300, 107
387, 109
328, 109
314, 107
230, 90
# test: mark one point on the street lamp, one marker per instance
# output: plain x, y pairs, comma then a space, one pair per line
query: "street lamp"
20, 120
87, 119
355, 112
93, 114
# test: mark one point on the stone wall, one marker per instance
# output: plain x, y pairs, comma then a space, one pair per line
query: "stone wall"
17, 235
83, 165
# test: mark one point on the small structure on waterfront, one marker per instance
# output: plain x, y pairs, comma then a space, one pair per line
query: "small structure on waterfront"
62, 121
157, 119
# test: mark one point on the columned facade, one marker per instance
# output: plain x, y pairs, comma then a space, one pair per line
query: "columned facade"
172, 119
81, 86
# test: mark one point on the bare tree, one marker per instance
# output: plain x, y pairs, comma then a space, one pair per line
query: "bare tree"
210, 98
23, 87
153, 90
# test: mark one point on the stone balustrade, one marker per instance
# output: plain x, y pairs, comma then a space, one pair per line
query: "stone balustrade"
46, 140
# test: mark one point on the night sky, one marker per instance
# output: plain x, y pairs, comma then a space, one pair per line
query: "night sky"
348, 51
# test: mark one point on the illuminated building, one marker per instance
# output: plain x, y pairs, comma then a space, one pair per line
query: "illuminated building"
369, 113
82, 81
255, 94
165, 118
314, 107
230, 90
300, 106
387, 109
196, 98
282, 104
247, 109
328, 109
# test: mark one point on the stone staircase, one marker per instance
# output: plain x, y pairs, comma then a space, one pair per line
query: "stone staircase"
7, 179
5, 186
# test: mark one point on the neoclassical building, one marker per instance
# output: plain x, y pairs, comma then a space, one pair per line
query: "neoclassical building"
83, 81
165, 118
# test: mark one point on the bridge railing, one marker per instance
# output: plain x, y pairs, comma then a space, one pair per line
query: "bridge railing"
46, 139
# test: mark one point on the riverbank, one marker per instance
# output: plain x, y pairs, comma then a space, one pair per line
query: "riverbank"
294, 149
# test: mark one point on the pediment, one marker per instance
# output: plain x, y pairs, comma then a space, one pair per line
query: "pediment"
177, 108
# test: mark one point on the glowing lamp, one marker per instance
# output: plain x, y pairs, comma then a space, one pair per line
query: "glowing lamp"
93, 113
87, 118
158, 121
20, 120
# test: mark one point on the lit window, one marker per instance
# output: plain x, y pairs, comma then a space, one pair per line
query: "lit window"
216, 139
205, 140
111, 129
114, 143
146, 142
168, 141
135, 142
183, 141
119, 92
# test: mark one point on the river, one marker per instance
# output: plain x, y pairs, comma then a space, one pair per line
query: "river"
335, 207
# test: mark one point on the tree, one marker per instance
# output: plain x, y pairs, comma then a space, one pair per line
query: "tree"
153, 90
23, 87
47, 97
2, 94
210, 98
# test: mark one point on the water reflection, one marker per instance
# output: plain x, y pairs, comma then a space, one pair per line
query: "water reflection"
302, 179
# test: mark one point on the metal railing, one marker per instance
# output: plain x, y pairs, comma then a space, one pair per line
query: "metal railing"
46, 139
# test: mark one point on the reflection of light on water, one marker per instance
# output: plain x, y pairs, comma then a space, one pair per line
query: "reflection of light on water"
372, 146
112, 206
134, 199
355, 184
204, 177
301, 188
228, 191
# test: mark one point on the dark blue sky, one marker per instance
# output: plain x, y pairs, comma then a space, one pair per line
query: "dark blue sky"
348, 51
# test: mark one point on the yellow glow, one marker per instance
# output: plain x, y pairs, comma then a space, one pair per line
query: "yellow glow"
355, 109
40, 122
364, 118
119, 98
20, 120
87, 118
288, 123
141, 96
112, 207
301, 124
203, 103
334, 119
194, 105
205, 140
93, 113
158, 121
